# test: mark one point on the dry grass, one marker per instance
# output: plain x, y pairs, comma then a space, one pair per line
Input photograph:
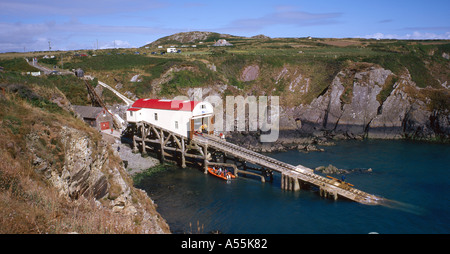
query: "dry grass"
31, 205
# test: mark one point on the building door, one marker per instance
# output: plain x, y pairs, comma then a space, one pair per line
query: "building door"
104, 125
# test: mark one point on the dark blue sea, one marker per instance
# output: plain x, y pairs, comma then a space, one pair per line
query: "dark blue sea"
413, 176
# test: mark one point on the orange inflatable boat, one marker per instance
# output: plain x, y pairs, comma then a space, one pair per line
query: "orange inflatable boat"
221, 173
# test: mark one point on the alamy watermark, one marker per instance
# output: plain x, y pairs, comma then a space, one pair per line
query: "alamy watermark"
244, 114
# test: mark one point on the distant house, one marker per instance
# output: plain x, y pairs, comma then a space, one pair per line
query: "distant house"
222, 42
171, 50
96, 117
34, 73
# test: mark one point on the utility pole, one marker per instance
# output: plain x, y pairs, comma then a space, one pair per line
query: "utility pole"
49, 46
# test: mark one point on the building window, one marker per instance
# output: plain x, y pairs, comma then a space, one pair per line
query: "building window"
156, 116
176, 124
131, 113
203, 106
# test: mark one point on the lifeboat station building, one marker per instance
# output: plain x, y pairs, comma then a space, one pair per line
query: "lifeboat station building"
183, 117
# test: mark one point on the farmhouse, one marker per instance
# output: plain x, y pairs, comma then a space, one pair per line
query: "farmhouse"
96, 117
180, 117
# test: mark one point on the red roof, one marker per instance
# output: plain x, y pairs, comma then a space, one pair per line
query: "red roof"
164, 104
133, 109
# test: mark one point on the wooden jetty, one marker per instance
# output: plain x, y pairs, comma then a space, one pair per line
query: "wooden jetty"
208, 150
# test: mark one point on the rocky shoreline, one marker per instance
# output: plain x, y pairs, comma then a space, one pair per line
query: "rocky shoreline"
306, 142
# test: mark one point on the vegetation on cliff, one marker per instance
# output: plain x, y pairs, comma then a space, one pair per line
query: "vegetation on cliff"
56, 173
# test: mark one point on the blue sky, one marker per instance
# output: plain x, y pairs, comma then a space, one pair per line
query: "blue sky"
70, 25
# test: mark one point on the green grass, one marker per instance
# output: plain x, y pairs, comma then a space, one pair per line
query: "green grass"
387, 89
16, 64
110, 62
414, 64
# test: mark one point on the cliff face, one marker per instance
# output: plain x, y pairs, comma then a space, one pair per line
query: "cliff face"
58, 175
373, 102
89, 169
80, 173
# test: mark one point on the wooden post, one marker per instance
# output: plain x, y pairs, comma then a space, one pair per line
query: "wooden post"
143, 138
282, 181
183, 152
296, 184
135, 150
205, 160
161, 141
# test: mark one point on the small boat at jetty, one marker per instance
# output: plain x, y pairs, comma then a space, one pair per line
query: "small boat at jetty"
221, 173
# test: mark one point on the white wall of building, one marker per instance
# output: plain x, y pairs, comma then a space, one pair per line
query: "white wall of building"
177, 121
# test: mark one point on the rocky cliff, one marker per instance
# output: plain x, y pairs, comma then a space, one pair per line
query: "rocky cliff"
58, 175
370, 101
363, 100
90, 170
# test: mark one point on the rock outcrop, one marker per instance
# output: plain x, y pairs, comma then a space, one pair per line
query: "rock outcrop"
250, 73
356, 109
364, 100
86, 167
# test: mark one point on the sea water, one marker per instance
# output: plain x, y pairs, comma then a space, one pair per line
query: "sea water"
412, 176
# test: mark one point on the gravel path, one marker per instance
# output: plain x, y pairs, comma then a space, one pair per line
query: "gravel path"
136, 163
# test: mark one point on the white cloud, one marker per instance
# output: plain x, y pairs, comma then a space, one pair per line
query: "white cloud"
416, 35
115, 44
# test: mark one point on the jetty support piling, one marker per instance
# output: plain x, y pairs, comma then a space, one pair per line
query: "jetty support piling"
183, 154
290, 183
161, 141
205, 159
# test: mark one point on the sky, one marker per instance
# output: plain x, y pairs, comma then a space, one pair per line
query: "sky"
90, 24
